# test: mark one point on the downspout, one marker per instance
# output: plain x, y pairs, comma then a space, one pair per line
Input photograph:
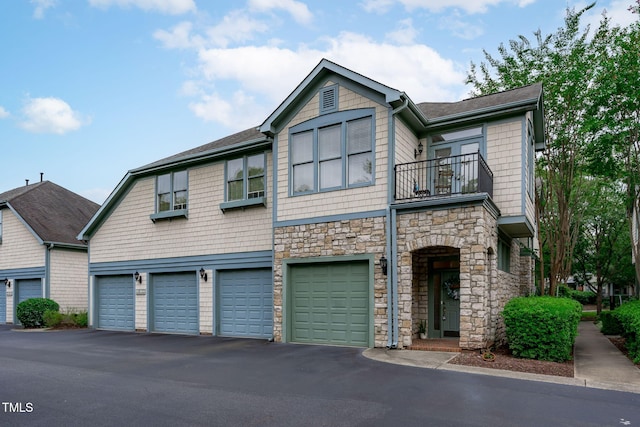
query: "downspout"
392, 290
47, 270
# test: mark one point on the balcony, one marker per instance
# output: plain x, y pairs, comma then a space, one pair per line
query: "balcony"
443, 177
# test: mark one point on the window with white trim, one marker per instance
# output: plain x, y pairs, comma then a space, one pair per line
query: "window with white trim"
246, 177
172, 190
332, 152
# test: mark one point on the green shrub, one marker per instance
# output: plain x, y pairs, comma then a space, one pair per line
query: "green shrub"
81, 319
52, 318
30, 312
542, 328
583, 297
589, 315
610, 323
628, 315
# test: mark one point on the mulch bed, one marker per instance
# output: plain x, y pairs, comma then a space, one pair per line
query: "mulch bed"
505, 360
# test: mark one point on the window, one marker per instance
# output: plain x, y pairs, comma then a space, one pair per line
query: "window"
504, 255
332, 152
0, 225
171, 195
245, 178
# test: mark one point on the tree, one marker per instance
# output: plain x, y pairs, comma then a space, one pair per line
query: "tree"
614, 117
565, 64
601, 232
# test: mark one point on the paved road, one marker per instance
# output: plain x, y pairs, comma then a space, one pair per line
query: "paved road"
96, 378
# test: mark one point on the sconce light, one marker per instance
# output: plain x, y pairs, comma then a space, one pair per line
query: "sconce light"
383, 265
7, 283
203, 274
137, 277
417, 152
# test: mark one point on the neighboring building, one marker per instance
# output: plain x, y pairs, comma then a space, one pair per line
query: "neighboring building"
282, 231
39, 253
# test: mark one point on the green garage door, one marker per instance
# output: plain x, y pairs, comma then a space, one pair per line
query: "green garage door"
25, 289
115, 306
246, 303
174, 303
330, 303
3, 304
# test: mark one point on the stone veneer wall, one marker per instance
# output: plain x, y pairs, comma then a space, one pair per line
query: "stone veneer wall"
472, 230
346, 237
518, 282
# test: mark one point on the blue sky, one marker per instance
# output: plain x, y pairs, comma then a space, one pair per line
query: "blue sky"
92, 88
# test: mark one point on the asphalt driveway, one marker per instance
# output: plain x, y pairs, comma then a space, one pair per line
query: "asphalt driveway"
87, 377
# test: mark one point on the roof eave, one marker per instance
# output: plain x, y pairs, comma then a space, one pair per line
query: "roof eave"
123, 186
484, 113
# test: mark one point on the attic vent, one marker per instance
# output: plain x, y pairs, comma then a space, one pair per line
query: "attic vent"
329, 99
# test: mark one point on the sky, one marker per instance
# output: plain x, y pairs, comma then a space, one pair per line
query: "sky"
90, 89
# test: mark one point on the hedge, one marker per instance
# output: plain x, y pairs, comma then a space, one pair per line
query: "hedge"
610, 323
30, 312
542, 327
628, 314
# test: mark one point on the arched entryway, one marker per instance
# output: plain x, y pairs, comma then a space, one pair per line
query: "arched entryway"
436, 295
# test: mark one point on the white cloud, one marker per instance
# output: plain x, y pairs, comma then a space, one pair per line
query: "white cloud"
236, 27
258, 86
179, 37
50, 115
406, 34
3, 113
298, 10
459, 27
170, 7
469, 6
41, 7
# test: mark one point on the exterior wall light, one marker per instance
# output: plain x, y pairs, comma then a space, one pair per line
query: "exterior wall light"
7, 283
137, 277
383, 265
203, 274
417, 152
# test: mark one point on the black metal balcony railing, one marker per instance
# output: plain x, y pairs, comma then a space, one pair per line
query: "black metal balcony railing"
463, 174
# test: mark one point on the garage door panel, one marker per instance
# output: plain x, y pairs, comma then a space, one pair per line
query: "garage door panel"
246, 303
330, 303
174, 303
30, 288
115, 303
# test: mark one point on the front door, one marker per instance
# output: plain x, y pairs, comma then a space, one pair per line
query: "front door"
444, 304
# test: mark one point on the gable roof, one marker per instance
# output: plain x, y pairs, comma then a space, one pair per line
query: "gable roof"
247, 139
321, 71
52, 213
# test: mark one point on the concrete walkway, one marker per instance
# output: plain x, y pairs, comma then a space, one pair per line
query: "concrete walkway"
600, 364
597, 363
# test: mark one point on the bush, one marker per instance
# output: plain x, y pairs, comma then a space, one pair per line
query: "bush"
52, 318
542, 328
81, 319
610, 323
30, 312
628, 315
583, 297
